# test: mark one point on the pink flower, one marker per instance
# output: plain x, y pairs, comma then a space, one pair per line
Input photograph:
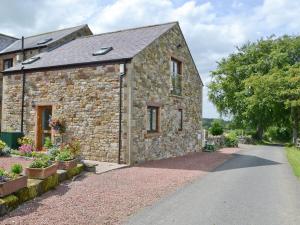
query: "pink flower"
26, 149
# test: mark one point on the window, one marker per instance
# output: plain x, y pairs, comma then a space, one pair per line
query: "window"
7, 63
176, 75
103, 51
152, 119
31, 60
44, 41
180, 119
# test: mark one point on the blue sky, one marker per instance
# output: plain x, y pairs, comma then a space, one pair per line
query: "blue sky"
212, 28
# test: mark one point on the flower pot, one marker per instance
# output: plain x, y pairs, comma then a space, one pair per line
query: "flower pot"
41, 173
66, 165
12, 186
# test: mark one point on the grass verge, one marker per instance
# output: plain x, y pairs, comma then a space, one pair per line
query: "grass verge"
293, 156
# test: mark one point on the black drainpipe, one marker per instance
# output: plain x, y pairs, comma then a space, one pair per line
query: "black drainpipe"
122, 74
23, 87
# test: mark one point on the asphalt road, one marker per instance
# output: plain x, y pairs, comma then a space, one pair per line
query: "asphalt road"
256, 187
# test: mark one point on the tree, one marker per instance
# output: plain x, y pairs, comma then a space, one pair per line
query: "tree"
216, 128
251, 84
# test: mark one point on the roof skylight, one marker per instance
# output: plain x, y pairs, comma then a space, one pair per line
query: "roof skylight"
103, 51
46, 40
31, 60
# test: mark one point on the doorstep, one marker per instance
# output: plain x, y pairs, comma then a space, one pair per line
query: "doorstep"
101, 167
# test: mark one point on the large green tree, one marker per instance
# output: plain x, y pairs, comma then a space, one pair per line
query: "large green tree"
254, 84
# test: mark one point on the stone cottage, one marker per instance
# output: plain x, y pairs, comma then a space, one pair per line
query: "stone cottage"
129, 96
11, 48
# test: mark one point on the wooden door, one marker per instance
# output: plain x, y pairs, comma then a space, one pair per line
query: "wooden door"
43, 130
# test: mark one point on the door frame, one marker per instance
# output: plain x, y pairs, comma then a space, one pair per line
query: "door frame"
38, 124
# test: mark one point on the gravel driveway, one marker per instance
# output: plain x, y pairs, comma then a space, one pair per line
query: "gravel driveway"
111, 197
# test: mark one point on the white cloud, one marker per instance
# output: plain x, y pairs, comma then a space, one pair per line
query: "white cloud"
210, 33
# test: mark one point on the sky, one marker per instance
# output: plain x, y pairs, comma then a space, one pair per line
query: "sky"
213, 29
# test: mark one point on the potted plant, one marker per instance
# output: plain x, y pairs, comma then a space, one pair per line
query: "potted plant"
12, 181
65, 159
41, 168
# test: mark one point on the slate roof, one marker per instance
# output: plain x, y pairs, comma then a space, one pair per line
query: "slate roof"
6, 40
125, 43
32, 41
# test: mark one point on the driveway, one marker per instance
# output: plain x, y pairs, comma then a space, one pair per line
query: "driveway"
111, 197
257, 187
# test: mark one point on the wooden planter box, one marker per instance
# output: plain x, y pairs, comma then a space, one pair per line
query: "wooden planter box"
66, 165
12, 186
41, 173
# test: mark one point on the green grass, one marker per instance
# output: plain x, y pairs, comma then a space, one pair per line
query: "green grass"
293, 155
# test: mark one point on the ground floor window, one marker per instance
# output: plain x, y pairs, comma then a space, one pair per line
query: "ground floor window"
152, 119
180, 119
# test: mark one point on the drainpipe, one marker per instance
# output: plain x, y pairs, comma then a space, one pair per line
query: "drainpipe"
23, 87
122, 74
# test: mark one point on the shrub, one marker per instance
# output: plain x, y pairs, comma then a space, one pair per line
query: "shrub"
6, 151
231, 140
2, 145
216, 128
64, 155
73, 147
40, 163
48, 143
53, 152
25, 141
16, 169
26, 150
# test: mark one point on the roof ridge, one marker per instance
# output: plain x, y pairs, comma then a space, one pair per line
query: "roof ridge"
9, 36
68, 28
128, 29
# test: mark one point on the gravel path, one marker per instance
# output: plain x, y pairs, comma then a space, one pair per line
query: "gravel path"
111, 197
7, 162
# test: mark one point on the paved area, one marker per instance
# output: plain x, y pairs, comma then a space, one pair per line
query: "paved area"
7, 162
256, 187
109, 198
103, 167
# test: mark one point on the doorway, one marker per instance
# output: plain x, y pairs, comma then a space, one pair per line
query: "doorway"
43, 130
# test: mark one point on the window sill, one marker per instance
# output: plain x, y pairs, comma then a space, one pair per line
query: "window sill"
176, 96
152, 135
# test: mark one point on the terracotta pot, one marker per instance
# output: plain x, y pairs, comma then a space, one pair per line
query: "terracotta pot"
41, 173
66, 165
12, 186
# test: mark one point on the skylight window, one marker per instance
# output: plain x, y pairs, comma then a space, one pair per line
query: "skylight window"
103, 51
31, 60
46, 40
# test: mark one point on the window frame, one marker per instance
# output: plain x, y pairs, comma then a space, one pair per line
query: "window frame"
177, 75
10, 60
150, 120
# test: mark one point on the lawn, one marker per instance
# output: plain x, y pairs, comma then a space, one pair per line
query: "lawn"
293, 155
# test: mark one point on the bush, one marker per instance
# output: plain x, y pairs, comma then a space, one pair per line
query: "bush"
64, 155
48, 143
6, 151
216, 128
16, 169
2, 145
26, 150
53, 152
25, 141
281, 134
231, 140
40, 163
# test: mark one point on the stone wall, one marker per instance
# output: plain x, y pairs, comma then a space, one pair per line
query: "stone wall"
151, 85
88, 99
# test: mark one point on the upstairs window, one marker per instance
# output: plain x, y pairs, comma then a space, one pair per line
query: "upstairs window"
152, 119
44, 41
176, 76
7, 63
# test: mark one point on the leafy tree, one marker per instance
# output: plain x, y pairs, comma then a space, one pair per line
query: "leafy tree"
216, 128
255, 84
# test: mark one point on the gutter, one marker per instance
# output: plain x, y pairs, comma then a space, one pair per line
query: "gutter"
23, 88
122, 75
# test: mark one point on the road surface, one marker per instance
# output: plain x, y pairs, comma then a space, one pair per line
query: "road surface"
256, 187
